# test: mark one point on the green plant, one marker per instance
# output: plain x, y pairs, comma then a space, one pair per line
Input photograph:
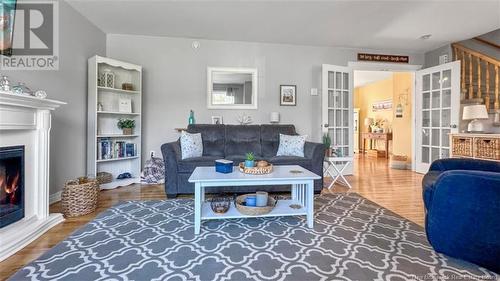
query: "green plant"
125, 123
250, 156
327, 141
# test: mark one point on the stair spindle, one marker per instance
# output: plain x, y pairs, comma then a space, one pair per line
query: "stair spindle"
479, 94
462, 65
497, 98
487, 82
471, 87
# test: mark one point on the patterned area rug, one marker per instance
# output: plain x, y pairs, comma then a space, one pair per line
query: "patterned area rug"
353, 239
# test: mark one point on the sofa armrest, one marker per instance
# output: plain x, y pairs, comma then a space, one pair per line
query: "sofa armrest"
171, 155
313, 150
463, 220
465, 164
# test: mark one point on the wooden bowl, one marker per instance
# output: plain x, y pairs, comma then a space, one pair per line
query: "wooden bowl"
254, 211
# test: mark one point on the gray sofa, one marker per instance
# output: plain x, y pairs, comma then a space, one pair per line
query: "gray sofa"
232, 142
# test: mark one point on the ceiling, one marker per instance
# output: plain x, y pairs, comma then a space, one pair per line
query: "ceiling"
362, 78
386, 25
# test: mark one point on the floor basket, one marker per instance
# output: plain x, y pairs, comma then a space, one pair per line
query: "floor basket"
79, 197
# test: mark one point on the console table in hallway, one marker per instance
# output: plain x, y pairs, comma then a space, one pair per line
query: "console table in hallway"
386, 137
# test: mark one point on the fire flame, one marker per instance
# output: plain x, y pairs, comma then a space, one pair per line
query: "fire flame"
10, 185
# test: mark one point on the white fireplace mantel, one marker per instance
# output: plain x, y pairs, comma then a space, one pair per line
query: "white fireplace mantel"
26, 120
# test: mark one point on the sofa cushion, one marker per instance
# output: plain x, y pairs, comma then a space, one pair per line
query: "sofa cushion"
270, 136
291, 145
191, 145
241, 139
188, 165
213, 137
240, 158
290, 160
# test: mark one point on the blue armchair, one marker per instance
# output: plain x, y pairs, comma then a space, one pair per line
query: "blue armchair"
462, 203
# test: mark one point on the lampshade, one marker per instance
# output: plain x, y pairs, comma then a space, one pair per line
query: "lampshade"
368, 121
275, 117
477, 111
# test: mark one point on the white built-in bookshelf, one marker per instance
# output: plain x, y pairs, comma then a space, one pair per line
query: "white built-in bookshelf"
108, 149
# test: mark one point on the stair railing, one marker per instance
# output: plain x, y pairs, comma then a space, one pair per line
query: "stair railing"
472, 80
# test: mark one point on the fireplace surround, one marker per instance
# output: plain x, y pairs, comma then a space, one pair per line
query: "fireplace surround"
11, 184
25, 122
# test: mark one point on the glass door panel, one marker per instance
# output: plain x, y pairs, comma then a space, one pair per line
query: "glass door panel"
337, 110
437, 106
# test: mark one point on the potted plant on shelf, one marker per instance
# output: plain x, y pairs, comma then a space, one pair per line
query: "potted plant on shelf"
250, 160
327, 141
127, 125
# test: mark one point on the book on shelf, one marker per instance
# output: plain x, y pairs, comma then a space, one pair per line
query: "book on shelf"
113, 149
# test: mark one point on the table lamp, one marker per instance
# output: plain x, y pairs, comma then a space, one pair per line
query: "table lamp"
368, 122
275, 117
474, 113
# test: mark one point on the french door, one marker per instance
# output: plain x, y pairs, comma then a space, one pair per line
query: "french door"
337, 108
437, 104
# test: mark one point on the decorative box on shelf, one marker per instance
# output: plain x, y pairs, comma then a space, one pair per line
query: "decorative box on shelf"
481, 146
224, 166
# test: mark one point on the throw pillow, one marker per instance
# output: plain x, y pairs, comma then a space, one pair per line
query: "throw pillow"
191, 145
291, 145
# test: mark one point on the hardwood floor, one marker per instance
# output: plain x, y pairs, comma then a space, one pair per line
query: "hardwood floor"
397, 190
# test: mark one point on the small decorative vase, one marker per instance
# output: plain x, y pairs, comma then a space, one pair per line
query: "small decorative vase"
249, 163
261, 198
191, 117
5, 84
41, 94
127, 131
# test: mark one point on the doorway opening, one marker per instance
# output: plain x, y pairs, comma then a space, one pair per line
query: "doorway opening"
383, 117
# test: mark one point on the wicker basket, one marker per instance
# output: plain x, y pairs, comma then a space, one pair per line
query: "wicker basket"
254, 211
79, 197
256, 170
104, 177
462, 146
487, 148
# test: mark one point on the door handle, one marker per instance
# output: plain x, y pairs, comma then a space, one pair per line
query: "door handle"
325, 125
453, 126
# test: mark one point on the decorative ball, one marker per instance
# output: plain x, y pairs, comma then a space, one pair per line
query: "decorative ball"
262, 164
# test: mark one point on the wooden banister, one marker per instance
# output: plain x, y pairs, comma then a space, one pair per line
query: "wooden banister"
482, 56
476, 80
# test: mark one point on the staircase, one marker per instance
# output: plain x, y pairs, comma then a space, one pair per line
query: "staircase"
479, 78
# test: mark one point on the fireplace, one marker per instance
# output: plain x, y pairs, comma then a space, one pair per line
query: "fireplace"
11, 184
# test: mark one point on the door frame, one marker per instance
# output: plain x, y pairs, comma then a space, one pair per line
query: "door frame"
394, 67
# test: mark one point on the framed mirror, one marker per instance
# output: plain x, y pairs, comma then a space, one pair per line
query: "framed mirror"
231, 88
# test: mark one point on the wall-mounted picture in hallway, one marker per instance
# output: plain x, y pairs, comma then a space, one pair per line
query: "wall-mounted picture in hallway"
288, 95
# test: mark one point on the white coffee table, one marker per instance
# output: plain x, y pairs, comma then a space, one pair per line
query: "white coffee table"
302, 183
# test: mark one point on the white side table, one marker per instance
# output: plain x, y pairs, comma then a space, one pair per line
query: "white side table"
330, 169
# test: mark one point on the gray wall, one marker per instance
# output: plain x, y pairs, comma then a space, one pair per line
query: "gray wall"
432, 57
174, 80
78, 40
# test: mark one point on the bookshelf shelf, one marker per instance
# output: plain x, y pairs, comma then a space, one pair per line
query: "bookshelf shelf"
104, 138
118, 113
117, 159
117, 136
118, 90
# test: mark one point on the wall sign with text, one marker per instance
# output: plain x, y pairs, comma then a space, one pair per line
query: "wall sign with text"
383, 58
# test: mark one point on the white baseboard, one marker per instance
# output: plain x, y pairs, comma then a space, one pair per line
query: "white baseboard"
55, 197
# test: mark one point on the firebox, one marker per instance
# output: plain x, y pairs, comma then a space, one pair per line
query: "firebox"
11, 184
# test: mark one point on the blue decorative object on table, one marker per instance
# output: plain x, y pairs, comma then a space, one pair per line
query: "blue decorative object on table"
124, 176
224, 166
251, 201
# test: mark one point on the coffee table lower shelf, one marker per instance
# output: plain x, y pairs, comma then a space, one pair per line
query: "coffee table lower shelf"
281, 209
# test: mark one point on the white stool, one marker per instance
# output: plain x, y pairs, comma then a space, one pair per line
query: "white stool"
330, 168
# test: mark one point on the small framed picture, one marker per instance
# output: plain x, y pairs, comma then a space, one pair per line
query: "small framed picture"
125, 105
217, 120
288, 95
